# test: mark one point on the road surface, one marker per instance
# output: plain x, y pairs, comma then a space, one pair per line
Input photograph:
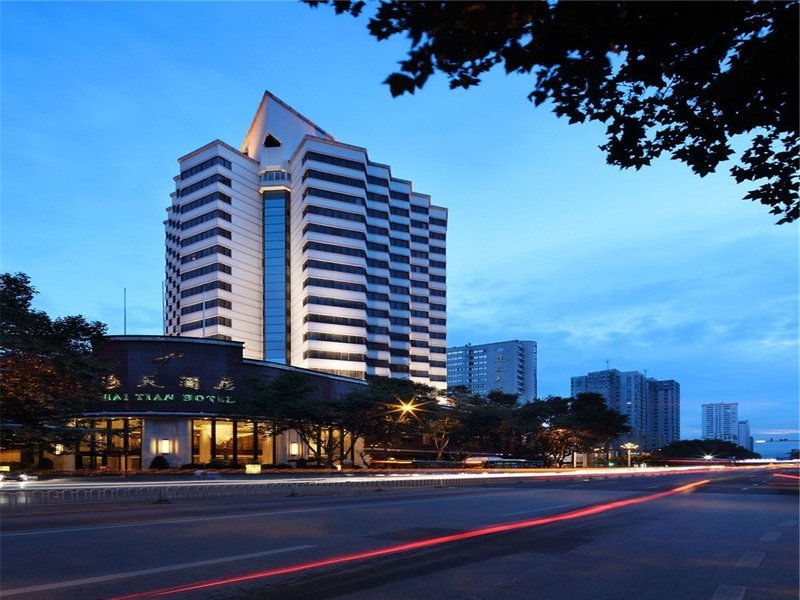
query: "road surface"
734, 537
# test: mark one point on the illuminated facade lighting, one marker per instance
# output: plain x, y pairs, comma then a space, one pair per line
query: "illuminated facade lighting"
309, 252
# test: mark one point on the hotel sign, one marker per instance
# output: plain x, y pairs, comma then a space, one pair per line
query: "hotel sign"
213, 398
159, 390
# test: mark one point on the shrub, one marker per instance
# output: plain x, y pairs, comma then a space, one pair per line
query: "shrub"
159, 462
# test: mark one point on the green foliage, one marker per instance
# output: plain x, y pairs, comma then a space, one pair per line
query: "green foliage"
330, 426
699, 449
677, 78
381, 404
556, 427
48, 369
159, 462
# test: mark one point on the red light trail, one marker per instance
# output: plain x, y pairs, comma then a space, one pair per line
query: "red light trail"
437, 541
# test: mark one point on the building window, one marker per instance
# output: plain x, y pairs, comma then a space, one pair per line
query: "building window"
337, 214
333, 178
212, 268
206, 164
204, 235
335, 160
329, 266
338, 196
206, 287
204, 183
216, 249
333, 302
203, 201
209, 216
335, 231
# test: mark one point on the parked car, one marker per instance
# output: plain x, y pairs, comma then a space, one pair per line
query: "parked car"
17, 476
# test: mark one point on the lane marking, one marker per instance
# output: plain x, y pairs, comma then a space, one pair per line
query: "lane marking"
750, 559
729, 592
424, 543
116, 576
770, 536
788, 524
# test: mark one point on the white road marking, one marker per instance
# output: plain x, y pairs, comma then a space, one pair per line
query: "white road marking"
750, 559
533, 510
116, 576
729, 592
788, 523
770, 536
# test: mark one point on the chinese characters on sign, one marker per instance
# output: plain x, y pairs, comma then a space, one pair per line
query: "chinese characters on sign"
225, 384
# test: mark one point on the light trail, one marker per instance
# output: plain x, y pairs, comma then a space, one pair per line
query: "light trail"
427, 543
785, 476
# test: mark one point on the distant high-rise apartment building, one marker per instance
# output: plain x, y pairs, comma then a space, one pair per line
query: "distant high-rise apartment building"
506, 366
743, 434
652, 406
720, 421
665, 412
309, 252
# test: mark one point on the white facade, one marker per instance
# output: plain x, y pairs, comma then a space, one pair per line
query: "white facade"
309, 253
506, 366
721, 421
743, 434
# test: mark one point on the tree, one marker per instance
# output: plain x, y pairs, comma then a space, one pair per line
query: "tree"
545, 430
400, 410
702, 449
489, 422
290, 399
685, 79
49, 370
556, 427
596, 425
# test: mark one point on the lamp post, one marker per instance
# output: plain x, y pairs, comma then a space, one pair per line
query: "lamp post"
629, 446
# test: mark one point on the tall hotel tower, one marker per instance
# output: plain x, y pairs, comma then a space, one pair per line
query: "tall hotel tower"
308, 252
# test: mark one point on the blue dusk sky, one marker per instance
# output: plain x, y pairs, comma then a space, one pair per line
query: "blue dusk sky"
656, 270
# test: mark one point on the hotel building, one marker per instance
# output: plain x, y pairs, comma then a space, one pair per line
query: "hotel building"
309, 253
506, 366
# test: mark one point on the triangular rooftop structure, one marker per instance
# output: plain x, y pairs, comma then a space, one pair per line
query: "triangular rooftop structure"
276, 125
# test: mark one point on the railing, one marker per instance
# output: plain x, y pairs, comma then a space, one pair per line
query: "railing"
223, 489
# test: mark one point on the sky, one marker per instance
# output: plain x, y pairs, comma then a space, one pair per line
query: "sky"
656, 270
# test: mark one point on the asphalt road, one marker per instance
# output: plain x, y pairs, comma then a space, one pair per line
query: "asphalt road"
734, 538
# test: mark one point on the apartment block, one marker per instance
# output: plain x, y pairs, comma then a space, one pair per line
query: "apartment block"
506, 366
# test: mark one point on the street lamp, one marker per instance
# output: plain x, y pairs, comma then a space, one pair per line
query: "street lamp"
407, 408
629, 446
